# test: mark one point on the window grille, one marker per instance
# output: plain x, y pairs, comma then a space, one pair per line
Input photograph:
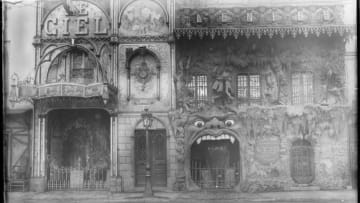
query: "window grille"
255, 86
198, 88
302, 88
248, 87
242, 86
302, 162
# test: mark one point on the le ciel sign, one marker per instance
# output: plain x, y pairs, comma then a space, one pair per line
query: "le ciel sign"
81, 18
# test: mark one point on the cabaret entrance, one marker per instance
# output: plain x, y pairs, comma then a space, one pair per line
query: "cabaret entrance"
78, 146
215, 162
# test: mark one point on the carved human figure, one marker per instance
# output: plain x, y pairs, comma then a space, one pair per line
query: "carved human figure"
270, 91
222, 87
180, 79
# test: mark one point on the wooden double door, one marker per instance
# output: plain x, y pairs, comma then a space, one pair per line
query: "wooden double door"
157, 139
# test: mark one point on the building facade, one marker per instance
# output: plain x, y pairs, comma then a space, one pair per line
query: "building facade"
245, 96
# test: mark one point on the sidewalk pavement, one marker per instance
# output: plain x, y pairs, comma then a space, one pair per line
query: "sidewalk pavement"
203, 196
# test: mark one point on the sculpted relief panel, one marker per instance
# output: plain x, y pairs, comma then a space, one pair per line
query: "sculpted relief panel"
144, 75
265, 136
143, 72
274, 61
143, 18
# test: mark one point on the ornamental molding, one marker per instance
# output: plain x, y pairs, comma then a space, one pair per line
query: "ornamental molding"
75, 40
30, 92
261, 21
146, 38
259, 16
259, 32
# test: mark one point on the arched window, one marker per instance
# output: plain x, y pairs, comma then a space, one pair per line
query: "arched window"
302, 162
74, 65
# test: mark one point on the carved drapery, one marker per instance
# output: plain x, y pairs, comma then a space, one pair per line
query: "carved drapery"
264, 31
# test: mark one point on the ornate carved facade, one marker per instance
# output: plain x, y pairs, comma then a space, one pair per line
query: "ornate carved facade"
245, 98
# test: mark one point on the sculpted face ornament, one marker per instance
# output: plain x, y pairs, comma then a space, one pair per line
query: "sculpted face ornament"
215, 149
214, 129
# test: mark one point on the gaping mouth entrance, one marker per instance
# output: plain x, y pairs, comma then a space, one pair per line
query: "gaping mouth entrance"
215, 160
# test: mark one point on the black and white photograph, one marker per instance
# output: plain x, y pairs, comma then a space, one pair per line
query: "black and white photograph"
180, 101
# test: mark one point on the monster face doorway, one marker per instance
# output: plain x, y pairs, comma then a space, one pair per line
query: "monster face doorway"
215, 161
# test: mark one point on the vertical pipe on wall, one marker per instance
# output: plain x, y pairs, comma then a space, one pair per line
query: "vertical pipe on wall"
116, 153
37, 143
43, 148
111, 145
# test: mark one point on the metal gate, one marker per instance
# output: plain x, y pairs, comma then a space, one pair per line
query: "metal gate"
302, 162
219, 178
78, 179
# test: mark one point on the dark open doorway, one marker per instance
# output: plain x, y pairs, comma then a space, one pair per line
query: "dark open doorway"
215, 161
78, 149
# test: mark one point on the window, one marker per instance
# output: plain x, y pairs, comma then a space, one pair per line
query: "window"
302, 88
302, 162
73, 66
248, 87
198, 88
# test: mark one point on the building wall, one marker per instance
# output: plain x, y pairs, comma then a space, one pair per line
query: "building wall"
166, 101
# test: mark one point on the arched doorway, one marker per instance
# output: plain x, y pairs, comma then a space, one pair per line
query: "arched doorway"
158, 155
78, 149
215, 161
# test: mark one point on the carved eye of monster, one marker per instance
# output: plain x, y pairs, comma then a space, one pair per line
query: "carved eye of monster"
199, 123
229, 123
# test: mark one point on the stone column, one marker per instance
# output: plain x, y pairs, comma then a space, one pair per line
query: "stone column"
115, 179
38, 172
350, 70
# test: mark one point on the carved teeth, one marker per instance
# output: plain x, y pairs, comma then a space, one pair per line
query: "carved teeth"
220, 137
232, 140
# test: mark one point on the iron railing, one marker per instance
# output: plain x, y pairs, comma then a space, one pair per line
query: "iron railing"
78, 179
18, 180
221, 178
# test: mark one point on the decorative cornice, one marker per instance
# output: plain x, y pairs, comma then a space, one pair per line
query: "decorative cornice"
68, 39
258, 31
261, 21
159, 38
258, 16
37, 41
114, 40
